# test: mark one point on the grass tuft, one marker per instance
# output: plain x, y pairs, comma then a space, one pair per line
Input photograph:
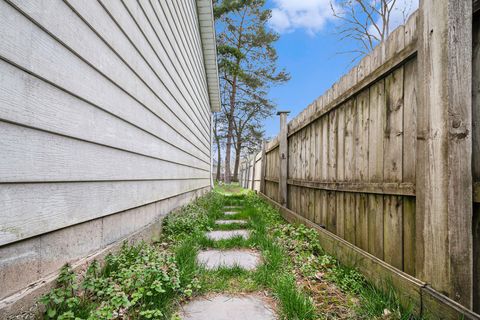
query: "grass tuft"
295, 303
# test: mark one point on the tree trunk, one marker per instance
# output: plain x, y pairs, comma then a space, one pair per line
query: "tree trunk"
228, 149
219, 159
238, 151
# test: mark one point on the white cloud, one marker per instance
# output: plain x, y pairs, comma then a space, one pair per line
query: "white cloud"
311, 15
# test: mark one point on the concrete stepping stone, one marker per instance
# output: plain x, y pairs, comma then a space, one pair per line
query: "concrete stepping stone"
227, 234
227, 307
230, 213
231, 221
213, 259
232, 207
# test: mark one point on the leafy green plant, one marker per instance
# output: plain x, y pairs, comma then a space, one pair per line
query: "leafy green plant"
140, 281
63, 301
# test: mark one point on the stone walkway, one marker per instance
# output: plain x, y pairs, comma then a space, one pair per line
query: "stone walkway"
231, 222
227, 234
213, 259
230, 213
228, 307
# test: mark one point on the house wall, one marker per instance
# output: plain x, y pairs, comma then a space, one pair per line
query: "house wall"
104, 126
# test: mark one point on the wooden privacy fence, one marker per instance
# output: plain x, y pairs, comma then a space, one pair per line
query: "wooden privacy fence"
250, 172
381, 164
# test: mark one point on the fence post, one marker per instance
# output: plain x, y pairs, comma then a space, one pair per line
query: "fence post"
248, 174
444, 175
253, 171
245, 169
241, 174
262, 167
283, 148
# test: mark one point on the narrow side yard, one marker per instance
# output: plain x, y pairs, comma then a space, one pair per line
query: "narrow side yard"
223, 247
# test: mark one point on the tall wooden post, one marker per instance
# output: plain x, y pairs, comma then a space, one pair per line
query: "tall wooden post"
262, 167
253, 171
283, 148
248, 174
444, 176
241, 174
245, 178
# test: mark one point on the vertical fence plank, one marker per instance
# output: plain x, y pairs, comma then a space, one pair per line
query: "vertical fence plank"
308, 155
392, 168
340, 145
392, 232
393, 143
340, 207
375, 225
361, 158
311, 204
332, 170
340, 160
324, 149
283, 158
361, 135
377, 115
409, 159
349, 213
350, 217
318, 207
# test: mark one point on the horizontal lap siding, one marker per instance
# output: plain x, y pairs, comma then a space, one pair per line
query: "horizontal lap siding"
104, 107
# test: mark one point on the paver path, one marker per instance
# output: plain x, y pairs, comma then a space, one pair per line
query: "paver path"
227, 234
213, 259
226, 307
232, 207
231, 221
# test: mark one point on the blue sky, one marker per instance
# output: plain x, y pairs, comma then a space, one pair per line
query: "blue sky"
314, 64
310, 50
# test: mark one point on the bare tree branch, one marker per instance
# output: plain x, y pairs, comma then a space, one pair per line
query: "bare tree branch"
367, 22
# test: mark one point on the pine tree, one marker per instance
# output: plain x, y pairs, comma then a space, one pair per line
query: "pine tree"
247, 66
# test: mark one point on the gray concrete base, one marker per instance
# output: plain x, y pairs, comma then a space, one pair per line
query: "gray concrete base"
231, 221
226, 307
222, 235
213, 259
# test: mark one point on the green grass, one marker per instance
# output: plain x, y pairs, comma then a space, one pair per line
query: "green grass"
232, 189
295, 304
